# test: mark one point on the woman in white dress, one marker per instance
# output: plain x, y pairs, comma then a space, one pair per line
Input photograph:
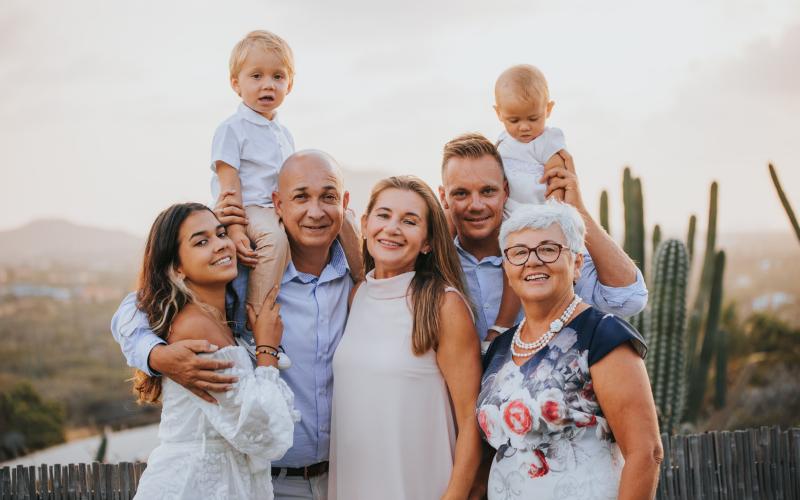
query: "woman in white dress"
407, 370
210, 451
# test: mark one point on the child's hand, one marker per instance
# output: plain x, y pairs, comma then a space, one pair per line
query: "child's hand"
244, 251
266, 323
229, 209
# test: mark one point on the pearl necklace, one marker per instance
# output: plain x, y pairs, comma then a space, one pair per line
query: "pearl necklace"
538, 344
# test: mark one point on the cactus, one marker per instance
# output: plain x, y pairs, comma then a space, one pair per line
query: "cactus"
699, 374
604, 211
690, 237
784, 201
100, 456
667, 332
707, 273
656, 239
721, 376
634, 232
634, 218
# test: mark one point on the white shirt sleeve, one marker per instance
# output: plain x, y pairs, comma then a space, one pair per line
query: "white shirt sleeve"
549, 143
257, 416
131, 329
226, 147
622, 301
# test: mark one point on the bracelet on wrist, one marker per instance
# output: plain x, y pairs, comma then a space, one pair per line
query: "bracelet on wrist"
499, 329
267, 350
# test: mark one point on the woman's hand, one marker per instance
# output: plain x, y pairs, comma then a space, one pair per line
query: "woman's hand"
244, 250
266, 323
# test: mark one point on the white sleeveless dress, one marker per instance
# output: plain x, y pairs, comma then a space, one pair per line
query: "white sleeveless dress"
393, 433
221, 451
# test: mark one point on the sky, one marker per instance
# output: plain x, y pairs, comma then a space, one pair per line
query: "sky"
107, 108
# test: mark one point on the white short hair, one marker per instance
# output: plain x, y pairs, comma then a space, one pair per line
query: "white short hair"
543, 216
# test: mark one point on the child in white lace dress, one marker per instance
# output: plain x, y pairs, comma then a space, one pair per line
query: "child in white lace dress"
210, 451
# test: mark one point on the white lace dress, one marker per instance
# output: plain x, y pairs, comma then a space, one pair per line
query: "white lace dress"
221, 451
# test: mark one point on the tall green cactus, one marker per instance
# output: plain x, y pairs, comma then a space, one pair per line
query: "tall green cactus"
100, 455
634, 218
721, 372
656, 239
701, 299
699, 375
667, 332
604, 211
634, 232
784, 201
690, 237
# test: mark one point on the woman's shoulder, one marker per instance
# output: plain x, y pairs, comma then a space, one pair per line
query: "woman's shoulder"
499, 346
193, 323
602, 332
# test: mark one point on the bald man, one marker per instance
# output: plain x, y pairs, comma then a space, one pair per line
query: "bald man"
311, 202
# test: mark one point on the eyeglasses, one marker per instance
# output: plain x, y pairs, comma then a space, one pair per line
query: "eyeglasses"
548, 253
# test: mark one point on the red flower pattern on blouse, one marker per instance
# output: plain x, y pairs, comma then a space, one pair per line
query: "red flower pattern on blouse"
518, 417
538, 471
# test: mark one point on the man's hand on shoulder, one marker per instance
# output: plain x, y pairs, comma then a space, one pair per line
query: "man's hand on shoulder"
180, 362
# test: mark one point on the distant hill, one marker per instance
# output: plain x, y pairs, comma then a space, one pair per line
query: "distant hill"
45, 241
57, 241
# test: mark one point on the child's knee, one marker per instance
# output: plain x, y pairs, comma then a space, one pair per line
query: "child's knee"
274, 242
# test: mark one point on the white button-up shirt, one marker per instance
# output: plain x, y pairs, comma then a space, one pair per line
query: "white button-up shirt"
257, 148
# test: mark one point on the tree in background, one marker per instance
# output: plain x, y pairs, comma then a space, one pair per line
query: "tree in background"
27, 422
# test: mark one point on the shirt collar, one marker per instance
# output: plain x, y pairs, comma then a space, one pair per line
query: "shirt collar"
334, 269
496, 260
248, 114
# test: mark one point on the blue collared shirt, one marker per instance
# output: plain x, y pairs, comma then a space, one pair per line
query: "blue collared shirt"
313, 311
485, 284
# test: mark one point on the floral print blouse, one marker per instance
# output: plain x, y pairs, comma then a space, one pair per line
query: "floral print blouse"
543, 418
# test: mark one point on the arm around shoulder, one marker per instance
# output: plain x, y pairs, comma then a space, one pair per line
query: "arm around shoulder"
131, 329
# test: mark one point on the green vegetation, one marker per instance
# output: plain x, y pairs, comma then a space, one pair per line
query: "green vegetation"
604, 211
753, 365
666, 331
27, 422
65, 351
784, 201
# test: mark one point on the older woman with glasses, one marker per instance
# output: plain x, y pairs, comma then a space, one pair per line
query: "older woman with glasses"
565, 400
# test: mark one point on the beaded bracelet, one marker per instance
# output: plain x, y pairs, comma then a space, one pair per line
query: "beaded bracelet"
263, 349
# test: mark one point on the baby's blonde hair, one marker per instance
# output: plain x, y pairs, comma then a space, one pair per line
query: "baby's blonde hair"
266, 41
523, 81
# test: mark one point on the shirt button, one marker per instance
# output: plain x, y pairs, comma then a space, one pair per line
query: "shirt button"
487, 306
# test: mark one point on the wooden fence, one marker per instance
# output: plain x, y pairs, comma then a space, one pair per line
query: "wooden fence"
753, 464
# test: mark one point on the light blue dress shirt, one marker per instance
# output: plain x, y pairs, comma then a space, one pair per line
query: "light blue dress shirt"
485, 284
314, 313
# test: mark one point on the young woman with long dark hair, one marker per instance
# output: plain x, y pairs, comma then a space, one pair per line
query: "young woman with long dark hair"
209, 450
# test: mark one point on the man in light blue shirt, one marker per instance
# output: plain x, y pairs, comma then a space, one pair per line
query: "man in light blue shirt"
313, 298
474, 191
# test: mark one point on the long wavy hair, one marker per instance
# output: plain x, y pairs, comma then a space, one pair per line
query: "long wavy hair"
162, 293
436, 270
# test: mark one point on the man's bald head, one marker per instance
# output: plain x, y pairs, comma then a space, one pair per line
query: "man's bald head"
310, 201
303, 162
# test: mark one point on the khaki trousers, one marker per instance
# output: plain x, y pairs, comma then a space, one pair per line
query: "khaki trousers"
269, 241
